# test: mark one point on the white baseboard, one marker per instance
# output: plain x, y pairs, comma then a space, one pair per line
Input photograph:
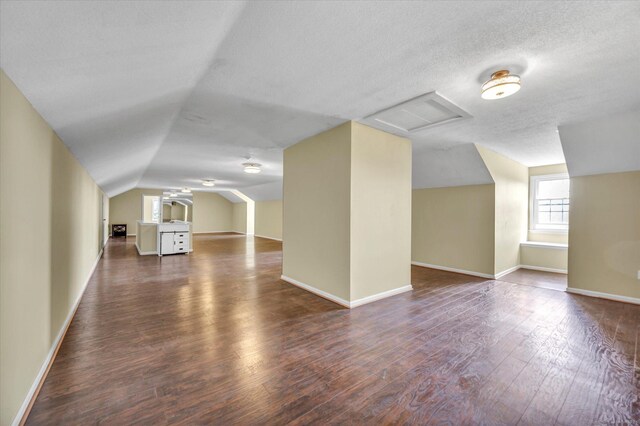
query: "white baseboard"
508, 271
609, 296
18, 419
268, 238
212, 232
459, 271
317, 292
544, 269
489, 276
342, 302
145, 253
384, 294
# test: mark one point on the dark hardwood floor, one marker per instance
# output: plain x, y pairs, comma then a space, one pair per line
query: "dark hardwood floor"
216, 338
550, 280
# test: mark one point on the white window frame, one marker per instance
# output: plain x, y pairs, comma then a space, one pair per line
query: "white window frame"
142, 207
533, 211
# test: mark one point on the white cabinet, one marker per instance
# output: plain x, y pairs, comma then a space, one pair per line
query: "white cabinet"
173, 238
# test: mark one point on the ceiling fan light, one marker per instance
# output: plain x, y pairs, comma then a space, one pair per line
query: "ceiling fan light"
500, 85
252, 168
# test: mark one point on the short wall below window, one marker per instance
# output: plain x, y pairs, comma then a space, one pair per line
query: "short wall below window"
548, 237
550, 258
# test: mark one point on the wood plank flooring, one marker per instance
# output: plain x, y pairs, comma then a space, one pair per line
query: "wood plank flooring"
216, 338
550, 280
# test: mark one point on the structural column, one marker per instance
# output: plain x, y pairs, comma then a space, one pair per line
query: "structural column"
347, 214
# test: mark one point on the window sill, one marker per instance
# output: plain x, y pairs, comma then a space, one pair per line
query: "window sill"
549, 231
537, 244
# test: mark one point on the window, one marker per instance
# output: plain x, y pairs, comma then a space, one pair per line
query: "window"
550, 202
151, 208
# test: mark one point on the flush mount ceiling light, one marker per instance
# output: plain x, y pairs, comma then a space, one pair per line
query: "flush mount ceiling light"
173, 194
252, 168
500, 85
208, 182
185, 190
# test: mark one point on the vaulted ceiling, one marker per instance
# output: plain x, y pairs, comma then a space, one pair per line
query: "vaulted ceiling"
165, 94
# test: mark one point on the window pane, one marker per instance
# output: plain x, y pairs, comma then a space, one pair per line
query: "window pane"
544, 217
556, 217
155, 215
557, 188
151, 208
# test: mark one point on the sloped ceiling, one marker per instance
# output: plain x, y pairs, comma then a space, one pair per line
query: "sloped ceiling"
605, 145
164, 94
453, 166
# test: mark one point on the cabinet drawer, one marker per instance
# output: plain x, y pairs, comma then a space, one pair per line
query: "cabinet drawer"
180, 235
181, 241
181, 249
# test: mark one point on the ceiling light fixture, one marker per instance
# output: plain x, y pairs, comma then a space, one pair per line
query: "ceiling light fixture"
252, 168
208, 182
185, 190
173, 194
500, 85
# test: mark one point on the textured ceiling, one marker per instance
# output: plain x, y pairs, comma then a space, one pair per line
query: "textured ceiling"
164, 94
608, 145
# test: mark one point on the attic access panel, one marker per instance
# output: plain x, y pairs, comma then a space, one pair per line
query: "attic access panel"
419, 113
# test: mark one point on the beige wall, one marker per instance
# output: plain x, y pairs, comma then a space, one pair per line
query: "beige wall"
127, 207
511, 207
166, 212
551, 169
50, 223
604, 233
380, 211
178, 212
454, 227
317, 199
147, 237
544, 257
239, 219
548, 237
105, 219
211, 213
269, 219
347, 210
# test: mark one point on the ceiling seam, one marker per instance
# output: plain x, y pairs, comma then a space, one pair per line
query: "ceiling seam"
238, 14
